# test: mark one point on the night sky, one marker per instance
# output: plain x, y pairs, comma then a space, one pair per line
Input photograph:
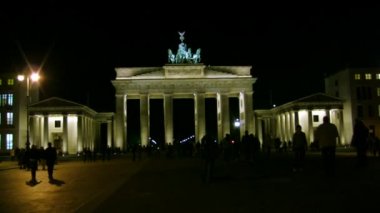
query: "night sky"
291, 47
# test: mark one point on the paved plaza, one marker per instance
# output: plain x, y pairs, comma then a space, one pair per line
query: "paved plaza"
159, 184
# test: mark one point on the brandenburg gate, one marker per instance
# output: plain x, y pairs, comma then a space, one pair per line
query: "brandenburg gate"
183, 77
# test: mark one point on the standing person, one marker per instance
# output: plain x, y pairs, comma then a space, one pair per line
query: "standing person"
33, 163
360, 142
209, 154
299, 148
327, 135
51, 157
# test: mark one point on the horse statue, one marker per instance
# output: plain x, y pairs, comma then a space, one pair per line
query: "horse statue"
171, 56
197, 56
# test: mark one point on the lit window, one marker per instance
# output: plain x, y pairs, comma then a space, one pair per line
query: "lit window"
10, 99
357, 76
9, 118
3, 99
9, 141
11, 81
368, 76
377, 76
1, 81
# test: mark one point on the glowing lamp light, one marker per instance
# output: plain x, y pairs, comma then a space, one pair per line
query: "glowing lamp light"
237, 123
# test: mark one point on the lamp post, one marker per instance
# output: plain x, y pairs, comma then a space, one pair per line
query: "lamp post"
34, 76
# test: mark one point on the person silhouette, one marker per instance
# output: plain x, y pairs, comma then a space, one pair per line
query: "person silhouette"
299, 148
327, 135
51, 157
360, 142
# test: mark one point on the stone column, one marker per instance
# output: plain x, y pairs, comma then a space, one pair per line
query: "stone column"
109, 133
168, 118
65, 142
296, 118
249, 112
144, 119
199, 115
46, 130
80, 133
121, 122
223, 115
292, 126
246, 112
310, 124
341, 128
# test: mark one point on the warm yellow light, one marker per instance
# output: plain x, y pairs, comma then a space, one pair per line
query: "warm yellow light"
21, 77
34, 76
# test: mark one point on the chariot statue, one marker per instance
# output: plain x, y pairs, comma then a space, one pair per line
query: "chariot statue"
184, 54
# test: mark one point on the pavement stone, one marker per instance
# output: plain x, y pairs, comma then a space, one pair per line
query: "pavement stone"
159, 184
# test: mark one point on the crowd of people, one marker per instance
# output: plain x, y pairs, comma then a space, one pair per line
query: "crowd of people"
228, 149
30, 157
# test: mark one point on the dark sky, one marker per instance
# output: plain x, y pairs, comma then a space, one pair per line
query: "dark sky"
291, 47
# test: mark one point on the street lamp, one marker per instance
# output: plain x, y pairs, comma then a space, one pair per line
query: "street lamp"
34, 77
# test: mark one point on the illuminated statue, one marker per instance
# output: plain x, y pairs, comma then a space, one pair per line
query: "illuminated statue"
171, 56
183, 54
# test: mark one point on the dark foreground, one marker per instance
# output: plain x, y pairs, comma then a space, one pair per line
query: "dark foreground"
158, 184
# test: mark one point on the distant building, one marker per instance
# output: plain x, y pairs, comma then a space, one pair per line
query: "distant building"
13, 110
360, 91
280, 122
70, 126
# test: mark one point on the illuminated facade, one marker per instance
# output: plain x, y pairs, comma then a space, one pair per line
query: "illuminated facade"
183, 77
308, 112
13, 111
360, 90
69, 126
194, 81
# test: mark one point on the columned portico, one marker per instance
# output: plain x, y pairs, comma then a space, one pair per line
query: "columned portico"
194, 81
307, 112
69, 126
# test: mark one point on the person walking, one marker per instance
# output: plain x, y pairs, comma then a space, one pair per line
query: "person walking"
51, 157
360, 142
299, 148
327, 135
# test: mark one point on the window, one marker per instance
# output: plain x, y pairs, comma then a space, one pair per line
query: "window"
9, 118
9, 141
370, 111
11, 81
369, 93
358, 93
57, 124
315, 118
337, 94
357, 76
10, 100
368, 76
6, 99
336, 82
360, 111
1, 81
378, 91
